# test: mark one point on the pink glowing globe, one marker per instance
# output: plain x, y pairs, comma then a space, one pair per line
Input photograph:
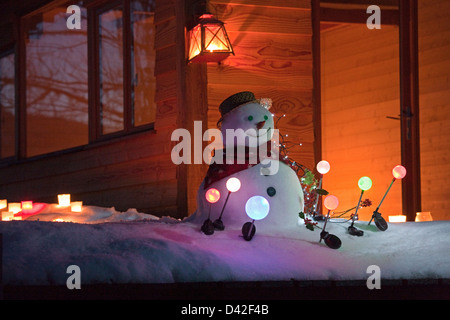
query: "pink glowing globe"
212, 195
331, 202
399, 172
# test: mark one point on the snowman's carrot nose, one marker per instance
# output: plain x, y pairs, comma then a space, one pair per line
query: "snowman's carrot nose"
259, 125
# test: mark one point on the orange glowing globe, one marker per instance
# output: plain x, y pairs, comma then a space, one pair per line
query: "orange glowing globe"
212, 195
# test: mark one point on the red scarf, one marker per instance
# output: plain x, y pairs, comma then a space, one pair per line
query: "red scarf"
218, 171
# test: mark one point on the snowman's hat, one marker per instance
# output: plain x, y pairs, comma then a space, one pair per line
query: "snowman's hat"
235, 101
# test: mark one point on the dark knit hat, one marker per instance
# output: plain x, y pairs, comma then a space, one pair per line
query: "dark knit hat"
236, 100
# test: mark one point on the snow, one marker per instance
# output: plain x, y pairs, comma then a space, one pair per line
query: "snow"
131, 247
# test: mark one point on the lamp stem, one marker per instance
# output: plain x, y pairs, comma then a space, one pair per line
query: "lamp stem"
318, 195
393, 180
357, 207
223, 208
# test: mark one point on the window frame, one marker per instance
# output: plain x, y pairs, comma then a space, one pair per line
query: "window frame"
95, 125
95, 136
4, 52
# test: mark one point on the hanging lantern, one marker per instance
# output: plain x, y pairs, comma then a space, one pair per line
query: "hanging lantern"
208, 41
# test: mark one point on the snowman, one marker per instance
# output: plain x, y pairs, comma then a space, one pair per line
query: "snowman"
248, 157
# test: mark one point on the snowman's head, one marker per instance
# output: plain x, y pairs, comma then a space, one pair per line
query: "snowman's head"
250, 124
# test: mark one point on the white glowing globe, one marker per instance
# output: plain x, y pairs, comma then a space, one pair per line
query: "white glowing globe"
257, 207
323, 166
233, 184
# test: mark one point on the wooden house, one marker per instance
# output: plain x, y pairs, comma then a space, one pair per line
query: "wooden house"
89, 109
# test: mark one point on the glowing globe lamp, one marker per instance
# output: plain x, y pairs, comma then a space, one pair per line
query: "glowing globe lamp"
365, 183
323, 166
399, 172
233, 184
257, 207
212, 195
331, 202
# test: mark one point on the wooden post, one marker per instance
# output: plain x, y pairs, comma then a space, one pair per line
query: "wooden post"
409, 104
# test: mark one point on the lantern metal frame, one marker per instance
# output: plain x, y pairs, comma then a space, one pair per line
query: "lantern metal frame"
209, 31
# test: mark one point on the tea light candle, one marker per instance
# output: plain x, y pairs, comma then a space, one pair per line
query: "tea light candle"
423, 216
64, 200
27, 205
14, 207
7, 216
76, 206
397, 218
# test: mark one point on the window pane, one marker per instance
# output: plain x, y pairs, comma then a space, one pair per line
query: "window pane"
56, 82
7, 111
111, 70
143, 53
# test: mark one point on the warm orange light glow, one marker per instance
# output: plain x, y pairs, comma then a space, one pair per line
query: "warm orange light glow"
27, 205
397, 218
3, 204
58, 220
76, 206
212, 195
14, 207
423, 216
7, 216
208, 41
64, 200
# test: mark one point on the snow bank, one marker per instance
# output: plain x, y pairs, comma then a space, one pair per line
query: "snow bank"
132, 247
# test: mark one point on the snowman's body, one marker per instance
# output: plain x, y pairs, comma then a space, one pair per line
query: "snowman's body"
274, 180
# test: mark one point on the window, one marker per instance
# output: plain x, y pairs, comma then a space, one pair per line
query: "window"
56, 82
7, 106
126, 58
75, 93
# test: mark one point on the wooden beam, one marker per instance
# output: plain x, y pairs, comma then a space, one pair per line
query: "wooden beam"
388, 16
409, 104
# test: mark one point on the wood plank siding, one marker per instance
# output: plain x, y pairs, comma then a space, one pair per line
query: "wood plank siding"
360, 88
434, 101
272, 41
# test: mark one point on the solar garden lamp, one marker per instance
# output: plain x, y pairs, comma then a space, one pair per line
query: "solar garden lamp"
257, 208
399, 172
322, 167
364, 183
331, 202
212, 196
233, 185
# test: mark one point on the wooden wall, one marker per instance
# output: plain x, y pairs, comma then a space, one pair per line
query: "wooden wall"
360, 87
272, 41
434, 100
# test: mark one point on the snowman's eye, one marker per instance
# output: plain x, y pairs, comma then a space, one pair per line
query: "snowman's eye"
266, 117
250, 118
